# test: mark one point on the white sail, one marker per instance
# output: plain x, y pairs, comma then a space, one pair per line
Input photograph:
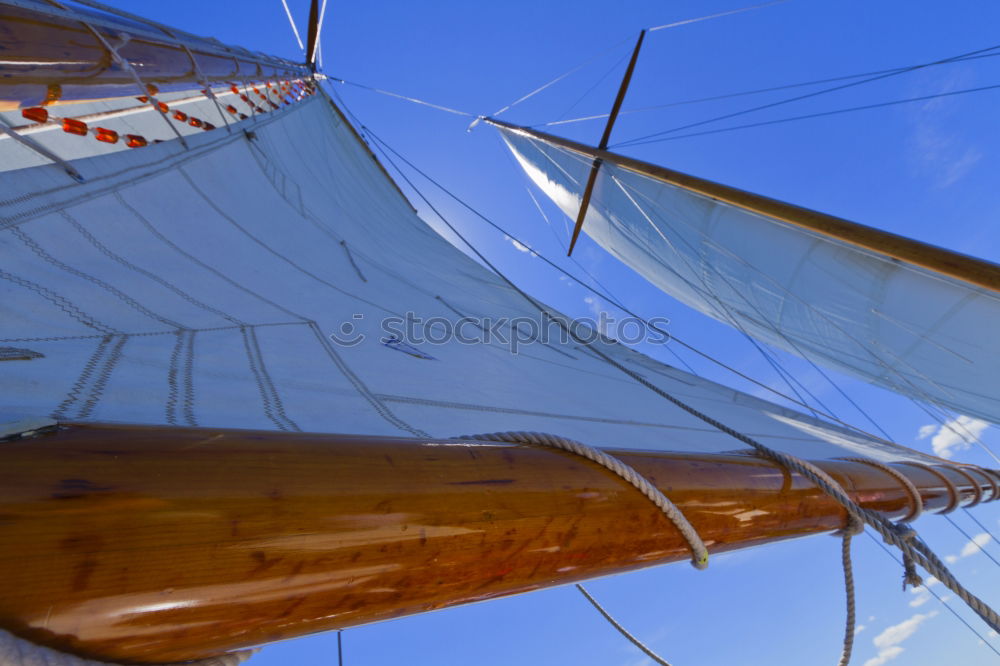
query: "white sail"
202, 285
906, 327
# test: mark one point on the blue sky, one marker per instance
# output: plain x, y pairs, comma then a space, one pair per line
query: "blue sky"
926, 170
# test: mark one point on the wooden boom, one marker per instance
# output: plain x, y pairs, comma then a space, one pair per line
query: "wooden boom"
156, 544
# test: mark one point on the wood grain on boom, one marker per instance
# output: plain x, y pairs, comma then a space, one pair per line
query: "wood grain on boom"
155, 544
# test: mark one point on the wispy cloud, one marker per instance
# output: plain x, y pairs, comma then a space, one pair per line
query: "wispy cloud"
937, 149
971, 547
955, 435
884, 656
519, 246
888, 642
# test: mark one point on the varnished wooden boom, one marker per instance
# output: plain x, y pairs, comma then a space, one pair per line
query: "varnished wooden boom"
972, 270
154, 544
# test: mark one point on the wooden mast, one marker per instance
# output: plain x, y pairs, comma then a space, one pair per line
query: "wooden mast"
962, 267
155, 544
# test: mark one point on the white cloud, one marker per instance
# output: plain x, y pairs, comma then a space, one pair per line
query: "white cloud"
898, 633
858, 629
884, 656
888, 641
975, 545
926, 431
520, 247
920, 600
955, 435
970, 548
938, 148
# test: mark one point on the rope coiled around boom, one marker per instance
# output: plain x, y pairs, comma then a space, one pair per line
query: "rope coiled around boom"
699, 553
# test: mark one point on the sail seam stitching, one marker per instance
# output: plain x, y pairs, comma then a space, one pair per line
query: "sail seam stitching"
103, 249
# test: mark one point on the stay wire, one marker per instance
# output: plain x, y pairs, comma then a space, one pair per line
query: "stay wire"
912, 68
745, 93
808, 116
596, 83
740, 10
981, 526
406, 98
938, 597
560, 77
291, 21
622, 630
972, 540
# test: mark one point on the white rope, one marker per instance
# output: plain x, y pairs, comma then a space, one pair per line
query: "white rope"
699, 554
16, 651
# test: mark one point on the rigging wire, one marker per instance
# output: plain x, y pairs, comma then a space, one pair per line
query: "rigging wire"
740, 10
637, 142
622, 630
938, 597
981, 526
558, 78
596, 83
972, 540
913, 68
288, 12
402, 97
757, 91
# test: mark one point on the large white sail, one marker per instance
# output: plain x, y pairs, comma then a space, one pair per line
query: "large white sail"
924, 327
203, 285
